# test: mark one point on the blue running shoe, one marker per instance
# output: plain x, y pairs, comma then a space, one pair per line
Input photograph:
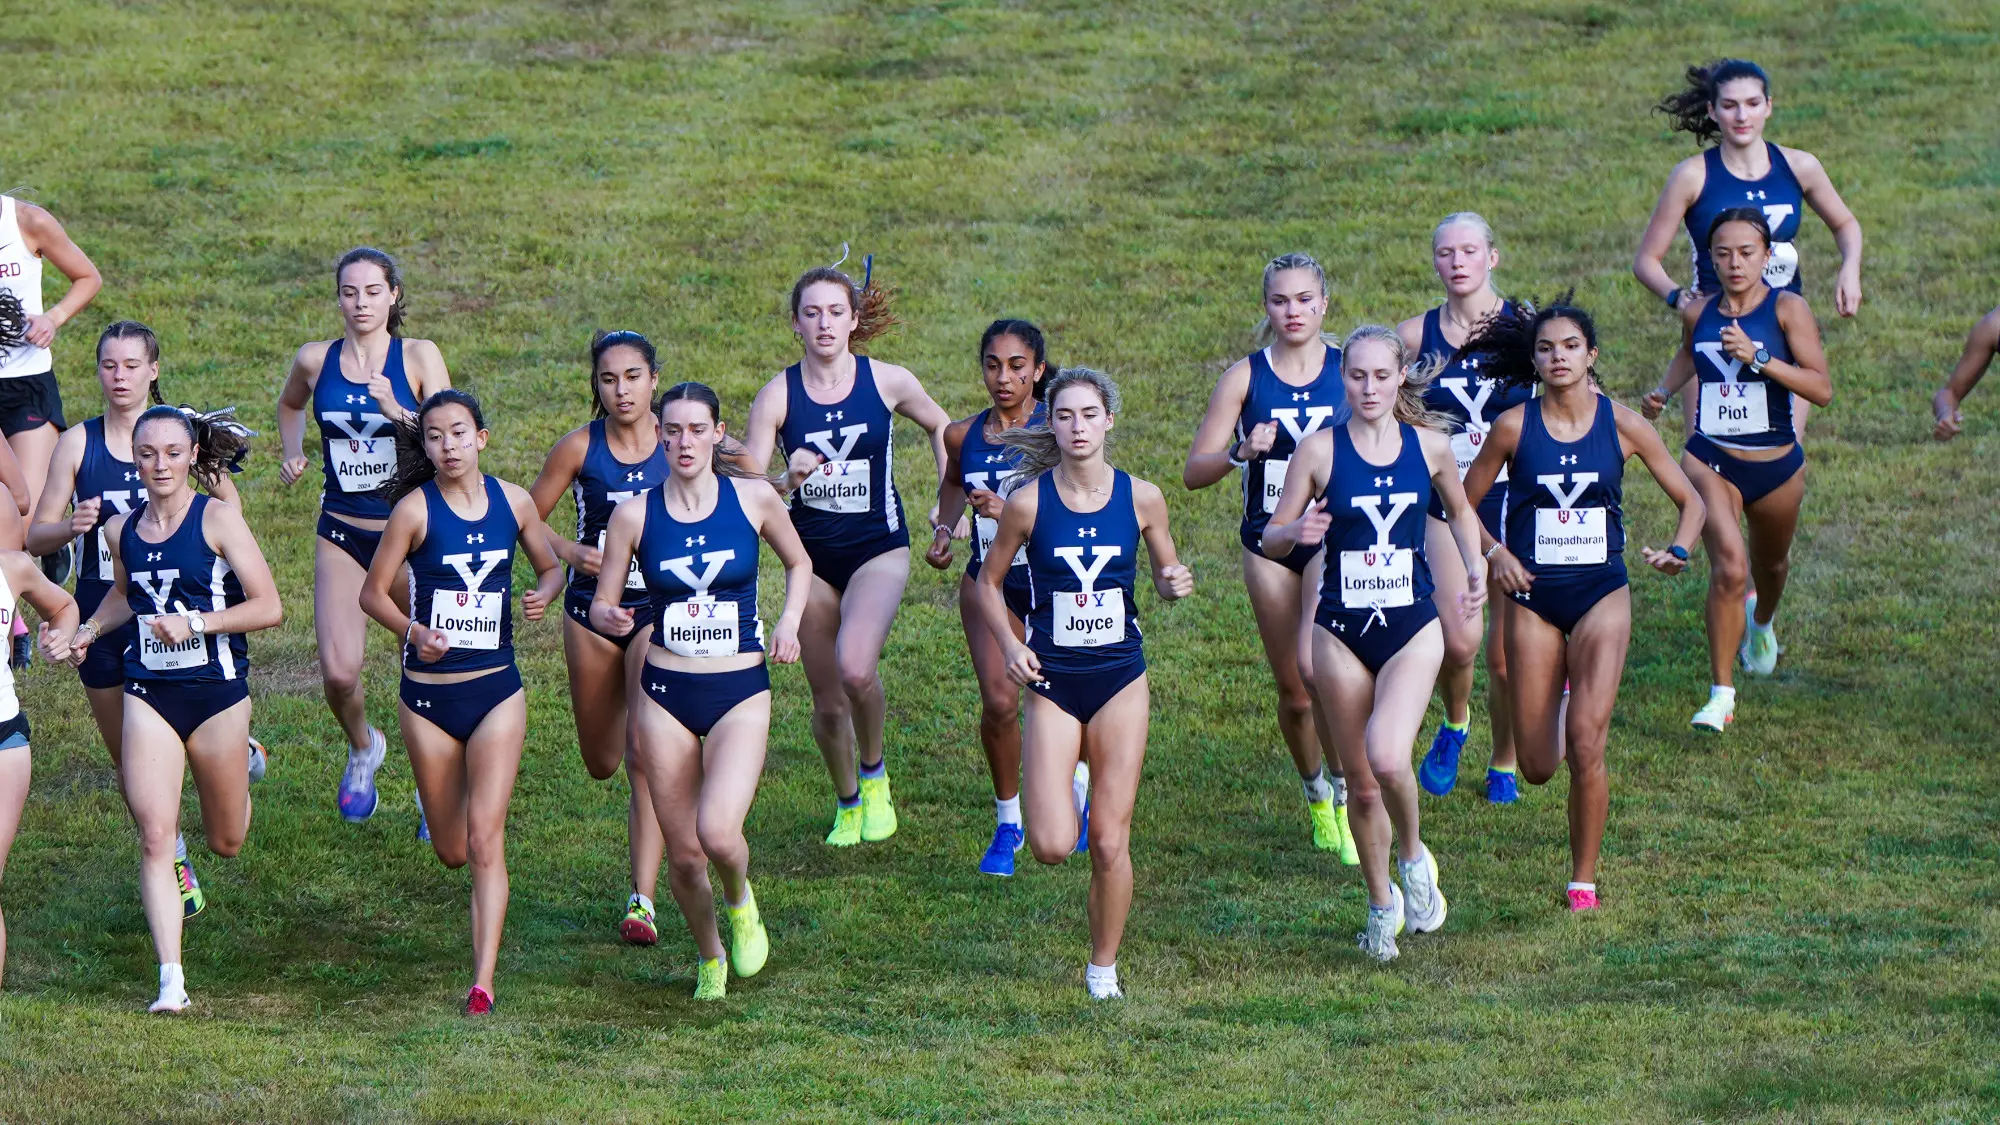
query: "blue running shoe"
999, 857
357, 784
423, 822
1502, 787
1440, 769
1083, 831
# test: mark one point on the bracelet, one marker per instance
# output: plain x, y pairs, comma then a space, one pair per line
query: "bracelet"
937, 527
407, 632
1491, 550
1674, 299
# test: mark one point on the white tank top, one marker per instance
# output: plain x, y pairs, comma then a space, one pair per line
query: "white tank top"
21, 275
10, 705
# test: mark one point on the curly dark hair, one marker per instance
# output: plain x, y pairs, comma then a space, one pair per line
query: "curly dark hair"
1505, 341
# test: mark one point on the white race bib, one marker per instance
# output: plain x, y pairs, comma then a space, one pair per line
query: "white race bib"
633, 579
363, 464
1275, 469
1089, 620
1783, 266
1377, 578
839, 486
159, 656
987, 530
1571, 537
699, 628
469, 620
1465, 447
1733, 409
104, 570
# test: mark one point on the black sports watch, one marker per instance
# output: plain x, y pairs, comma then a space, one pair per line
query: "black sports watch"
1678, 551
1758, 361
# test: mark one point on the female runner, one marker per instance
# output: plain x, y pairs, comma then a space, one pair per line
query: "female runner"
91, 479
1753, 349
832, 412
1562, 561
1014, 357
1972, 365
694, 538
1463, 254
614, 458
187, 569
463, 711
1376, 642
359, 387
31, 413
1080, 521
1261, 408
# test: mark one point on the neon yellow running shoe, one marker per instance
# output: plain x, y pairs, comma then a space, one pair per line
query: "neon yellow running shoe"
1348, 856
1326, 824
846, 828
878, 815
711, 980
749, 944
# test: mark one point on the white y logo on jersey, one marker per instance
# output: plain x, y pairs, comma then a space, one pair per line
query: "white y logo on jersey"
618, 497
1567, 499
978, 480
1475, 405
1316, 416
1729, 365
1371, 506
371, 424
712, 562
849, 434
156, 591
1775, 213
1088, 575
487, 561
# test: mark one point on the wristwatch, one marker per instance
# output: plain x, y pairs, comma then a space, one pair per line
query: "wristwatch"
1678, 551
1758, 361
196, 625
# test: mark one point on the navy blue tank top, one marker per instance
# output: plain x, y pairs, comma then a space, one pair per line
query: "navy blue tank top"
1471, 400
1564, 508
357, 442
1081, 570
176, 576
1298, 411
1375, 547
600, 484
702, 577
1778, 195
983, 463
852, 495
1736, 408
115, 484
462, 581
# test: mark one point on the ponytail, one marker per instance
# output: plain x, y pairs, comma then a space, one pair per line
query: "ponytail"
1035, 448
221, 443
1687, 109
414, 467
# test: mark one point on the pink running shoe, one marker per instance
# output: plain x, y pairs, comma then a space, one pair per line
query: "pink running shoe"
478, 1002
1581, 900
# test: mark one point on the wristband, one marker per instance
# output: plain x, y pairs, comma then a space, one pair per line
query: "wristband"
1490, 551
1674, 299
1238, 462
1678, 551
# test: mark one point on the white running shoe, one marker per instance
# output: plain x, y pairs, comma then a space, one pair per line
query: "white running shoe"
1425, 902
1718, 712
1379, 939
1102, 983
1760, 649
259, 761
1079, 788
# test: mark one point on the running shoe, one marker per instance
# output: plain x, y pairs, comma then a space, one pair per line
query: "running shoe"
423, 822
193, 901
259, 761
1581, 900
56, 565
1082, 831
711, 981
749, 942
1440, 769
1379, 939
357, 785
1103, 990
1349, 856
638, 927
999, 857
1079, 795
1717, 713
1325, 816
1503, 787
24, 651
846, 827
878, 812
1426, 905
173, 998
478, 1002
1760, 650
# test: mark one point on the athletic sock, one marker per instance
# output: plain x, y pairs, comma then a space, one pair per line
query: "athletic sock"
1501, 769
181, 847
171, 977
642, 901
1009, 810
1100, 977
1591, 887
1317, 788
853, 802
1461, 728
1339, 783
1717, 691
740, 903
879, 769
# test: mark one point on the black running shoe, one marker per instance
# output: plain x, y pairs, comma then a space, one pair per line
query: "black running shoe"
57, 566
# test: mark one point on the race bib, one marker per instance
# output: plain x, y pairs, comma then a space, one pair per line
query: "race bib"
1571, 537
986, 530
1783, 266
159, 656
1089, 620
104, 569
1733, 409
633, 579
469, 620
1465, 447
698, 629
839, 486
1377, 578
362, 464
1275, 469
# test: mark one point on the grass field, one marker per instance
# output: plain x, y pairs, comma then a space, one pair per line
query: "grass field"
1802, 915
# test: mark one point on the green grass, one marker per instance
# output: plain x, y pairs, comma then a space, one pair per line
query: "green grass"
1802, 914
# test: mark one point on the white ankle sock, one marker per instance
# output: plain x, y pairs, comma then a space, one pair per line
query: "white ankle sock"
1009, 810
1100, 978
171, 977
1717, 691
1317, 787
1591, 887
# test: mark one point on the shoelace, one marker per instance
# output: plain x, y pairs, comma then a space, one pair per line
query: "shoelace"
1374, 614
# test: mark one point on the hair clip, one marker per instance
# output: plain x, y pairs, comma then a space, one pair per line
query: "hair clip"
843, 257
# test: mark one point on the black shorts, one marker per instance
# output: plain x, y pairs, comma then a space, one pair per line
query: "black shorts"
14, 732
699, 700
1753, 480
577, 605
836, 560
359, 542
187, 704
29, 402
457, 707
1375, 636
1083, 690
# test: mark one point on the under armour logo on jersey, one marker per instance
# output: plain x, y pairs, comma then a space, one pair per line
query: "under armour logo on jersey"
1371, 506
159, 585
1728, 364
1566, 498
823, 439
356, 399
712, 565
1385, 482
1470, 363
1316, 416
1566, 459
487, 561
697, 540
475, 537
1302, 396
1099, 556
130, 477
635, 474
155, 556
1086, 533
836, 416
